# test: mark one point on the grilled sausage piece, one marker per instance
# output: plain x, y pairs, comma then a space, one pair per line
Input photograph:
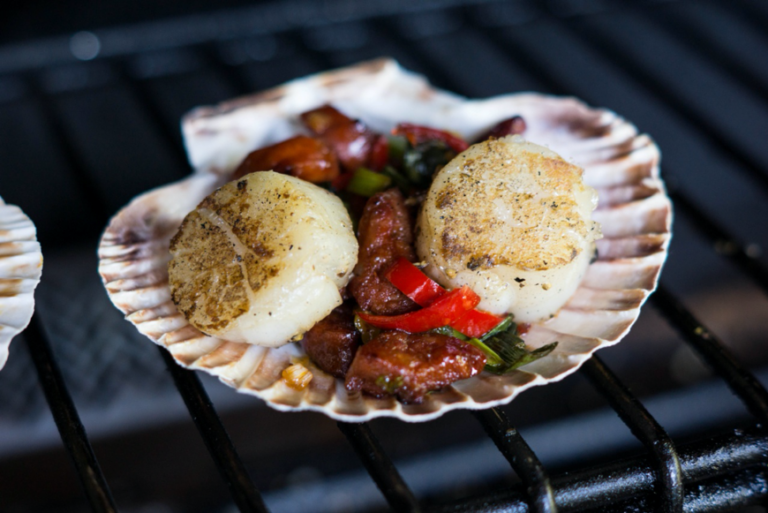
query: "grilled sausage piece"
410, 365
349, 138
384, 235
332, 342
301, 156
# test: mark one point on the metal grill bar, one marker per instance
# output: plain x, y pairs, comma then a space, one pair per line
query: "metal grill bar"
724, 243
729, 493
216, 439
694, 37
380, 467
605, 46
710, 347
646, 429
707, 467
171, 140
74, 161
521, 457
68, 421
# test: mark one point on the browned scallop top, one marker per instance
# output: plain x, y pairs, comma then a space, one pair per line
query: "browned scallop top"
499, 203
227, 249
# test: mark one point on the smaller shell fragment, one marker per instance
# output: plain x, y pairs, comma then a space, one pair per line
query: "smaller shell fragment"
21, 264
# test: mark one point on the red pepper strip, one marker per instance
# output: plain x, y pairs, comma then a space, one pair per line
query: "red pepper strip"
442, 312
476, 323
417, 134
379, 154
412, 282
409, 280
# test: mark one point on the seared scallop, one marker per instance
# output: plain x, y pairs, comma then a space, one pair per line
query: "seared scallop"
511, 219
262, 259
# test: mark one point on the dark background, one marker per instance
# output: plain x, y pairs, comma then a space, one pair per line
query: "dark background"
80, 138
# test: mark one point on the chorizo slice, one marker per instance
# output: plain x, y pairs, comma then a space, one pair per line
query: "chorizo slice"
301, 156
410, 365
384, 235
350, 139
331, 343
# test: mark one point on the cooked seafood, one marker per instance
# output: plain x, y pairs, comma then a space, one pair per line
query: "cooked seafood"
511, 219
258, 251
133, 252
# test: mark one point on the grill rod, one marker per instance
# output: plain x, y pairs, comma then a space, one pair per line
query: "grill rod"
67, 420
729, 467
522, 458
380, 467
216, 439
742, 256
605, 46
742, 382
646, 429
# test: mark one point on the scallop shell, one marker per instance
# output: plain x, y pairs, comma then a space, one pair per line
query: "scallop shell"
21, 264
634, 211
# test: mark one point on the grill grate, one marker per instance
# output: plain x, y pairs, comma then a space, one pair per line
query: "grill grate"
728, 469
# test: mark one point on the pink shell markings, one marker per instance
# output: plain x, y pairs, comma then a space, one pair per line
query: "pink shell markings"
633, 209
21, 265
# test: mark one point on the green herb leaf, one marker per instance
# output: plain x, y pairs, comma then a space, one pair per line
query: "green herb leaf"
421, 162
367, 183
398, 179
450, 332
367, 332
397, 147
501, 327
503, 348
523, 357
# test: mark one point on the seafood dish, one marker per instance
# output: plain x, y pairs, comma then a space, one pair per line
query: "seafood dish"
21, 265
361, 244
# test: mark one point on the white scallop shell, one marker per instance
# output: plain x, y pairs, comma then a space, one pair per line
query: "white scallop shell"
21, 264
634, 211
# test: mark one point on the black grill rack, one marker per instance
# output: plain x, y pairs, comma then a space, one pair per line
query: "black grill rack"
723, 472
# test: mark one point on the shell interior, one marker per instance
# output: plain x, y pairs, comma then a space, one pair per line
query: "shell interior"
634, 211
21, 265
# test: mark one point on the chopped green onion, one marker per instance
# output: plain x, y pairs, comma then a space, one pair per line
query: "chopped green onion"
422, 161
493, 359
397, 146
450, 332
503, 348
500, 327
367, 183
399, 180
518, 356
367, 332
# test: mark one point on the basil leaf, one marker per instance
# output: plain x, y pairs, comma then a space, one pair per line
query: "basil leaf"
422, 161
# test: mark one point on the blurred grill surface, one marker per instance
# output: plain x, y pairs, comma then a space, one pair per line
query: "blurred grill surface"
89, 120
